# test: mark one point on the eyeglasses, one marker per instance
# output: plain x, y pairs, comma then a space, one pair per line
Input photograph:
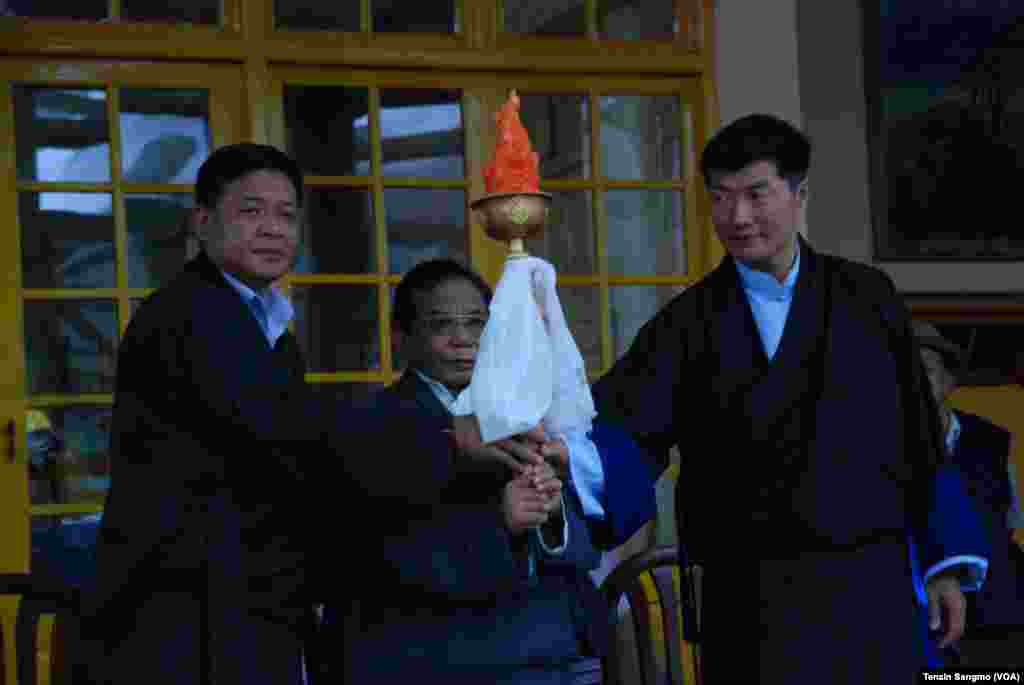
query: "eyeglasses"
450, 325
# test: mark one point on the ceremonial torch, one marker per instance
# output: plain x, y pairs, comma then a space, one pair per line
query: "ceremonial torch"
512, 208
528, 369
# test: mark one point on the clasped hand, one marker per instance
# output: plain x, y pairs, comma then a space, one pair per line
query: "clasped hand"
532, 498
516, 453
533, 495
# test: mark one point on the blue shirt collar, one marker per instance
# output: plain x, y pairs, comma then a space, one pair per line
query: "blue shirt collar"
763, 283
278, 308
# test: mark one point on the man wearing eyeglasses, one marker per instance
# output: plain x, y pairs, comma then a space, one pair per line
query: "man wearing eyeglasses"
490, 586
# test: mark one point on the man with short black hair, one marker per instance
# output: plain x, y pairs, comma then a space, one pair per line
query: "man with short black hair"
791, 383
491, 586
222, 460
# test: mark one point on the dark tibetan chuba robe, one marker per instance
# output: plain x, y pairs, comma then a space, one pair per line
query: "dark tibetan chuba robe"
801, 475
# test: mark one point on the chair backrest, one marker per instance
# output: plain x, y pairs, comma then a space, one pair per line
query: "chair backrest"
45, 605
665, 616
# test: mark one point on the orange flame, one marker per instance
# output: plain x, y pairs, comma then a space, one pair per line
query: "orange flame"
514, 168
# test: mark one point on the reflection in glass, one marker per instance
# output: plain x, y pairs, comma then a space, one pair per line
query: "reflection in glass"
183, 11
69, 454
559, 126
165, 134
336, 326
316, 15
67, 240
64, 547
636, 19
70, 346
82, 10
326, 129
424, 223
421, 16
158, 232
582, 308
640, 136
568, 238
546, 17
645, 232
631, 307
339, 235
61, 134
421, 133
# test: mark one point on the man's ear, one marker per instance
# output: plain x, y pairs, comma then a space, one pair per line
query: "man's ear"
201, 217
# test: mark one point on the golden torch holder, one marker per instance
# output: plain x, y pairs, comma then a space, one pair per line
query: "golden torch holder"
513, 217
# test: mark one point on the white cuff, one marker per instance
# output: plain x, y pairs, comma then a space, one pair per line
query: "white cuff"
587, 472
977, 568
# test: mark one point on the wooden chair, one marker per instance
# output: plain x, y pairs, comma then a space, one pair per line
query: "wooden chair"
45, 605
665, 617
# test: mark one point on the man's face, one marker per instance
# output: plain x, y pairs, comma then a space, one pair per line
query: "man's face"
445, 336
253, 232
939, 377
756, 216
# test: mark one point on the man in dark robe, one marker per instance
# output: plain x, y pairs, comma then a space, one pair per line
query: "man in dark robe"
792, 385
223, 464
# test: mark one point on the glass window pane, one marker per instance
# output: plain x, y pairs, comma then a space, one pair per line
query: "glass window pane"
645, 232
582, 308
165, 134
67, 240
631, 307
70, 346
183, 11
559, 128
339, 233
61, 134
637, 19
317, 15
336, 326
87, 10
568, 238
69, 454
327, 129
640, 136
64, 547
159, 226
424, 223
546, 17
421, 133
421, 16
